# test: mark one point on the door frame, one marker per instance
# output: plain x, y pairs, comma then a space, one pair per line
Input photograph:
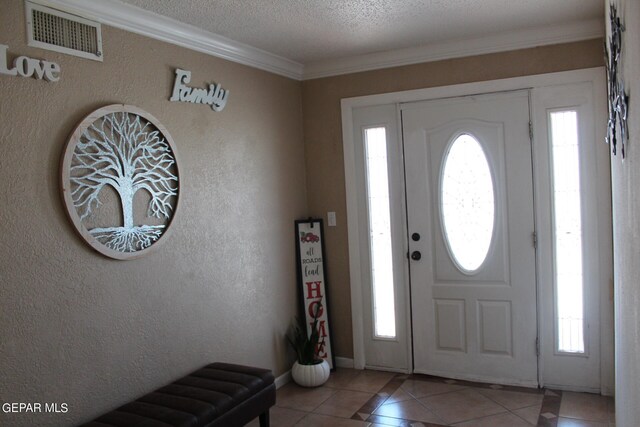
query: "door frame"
594, 75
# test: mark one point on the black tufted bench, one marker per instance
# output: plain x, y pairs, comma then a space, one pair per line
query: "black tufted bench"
218, 395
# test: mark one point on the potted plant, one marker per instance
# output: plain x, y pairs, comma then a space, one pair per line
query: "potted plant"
309, 370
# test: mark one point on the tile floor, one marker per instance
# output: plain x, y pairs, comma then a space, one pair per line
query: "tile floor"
354, 398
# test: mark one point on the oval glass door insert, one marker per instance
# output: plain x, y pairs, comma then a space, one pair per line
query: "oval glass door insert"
467, 203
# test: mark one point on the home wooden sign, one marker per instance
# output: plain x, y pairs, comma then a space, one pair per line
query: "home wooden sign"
311, 280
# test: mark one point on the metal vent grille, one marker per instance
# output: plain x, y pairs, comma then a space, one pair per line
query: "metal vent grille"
61, 32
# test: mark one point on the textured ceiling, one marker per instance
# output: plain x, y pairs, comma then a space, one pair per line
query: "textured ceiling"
308, 31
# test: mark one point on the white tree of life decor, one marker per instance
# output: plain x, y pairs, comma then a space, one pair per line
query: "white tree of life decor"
119, 162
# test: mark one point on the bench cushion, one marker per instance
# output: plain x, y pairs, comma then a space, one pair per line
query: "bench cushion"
198, 400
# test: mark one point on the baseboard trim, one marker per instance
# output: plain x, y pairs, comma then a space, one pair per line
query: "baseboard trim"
344, 362
608, 391
283, 379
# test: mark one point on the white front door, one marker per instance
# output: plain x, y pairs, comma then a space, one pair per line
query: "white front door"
471, 231
457, 171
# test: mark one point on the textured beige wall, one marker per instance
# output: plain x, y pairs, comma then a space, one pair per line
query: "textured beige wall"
92, 332
79, 328
626, 232
323, 138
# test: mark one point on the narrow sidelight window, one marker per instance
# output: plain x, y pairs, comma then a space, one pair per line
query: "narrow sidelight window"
567, 232
377, 177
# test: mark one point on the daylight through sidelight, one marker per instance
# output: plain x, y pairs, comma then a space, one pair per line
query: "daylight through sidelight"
567, 231
380, 232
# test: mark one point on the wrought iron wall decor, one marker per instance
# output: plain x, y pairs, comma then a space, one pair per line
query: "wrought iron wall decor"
618, 100
120, 158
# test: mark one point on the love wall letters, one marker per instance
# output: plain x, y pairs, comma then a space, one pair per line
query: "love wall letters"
29, 67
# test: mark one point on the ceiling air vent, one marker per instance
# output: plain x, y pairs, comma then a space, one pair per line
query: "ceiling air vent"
62, 32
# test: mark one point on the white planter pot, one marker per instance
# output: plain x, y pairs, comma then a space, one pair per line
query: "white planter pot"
310, 375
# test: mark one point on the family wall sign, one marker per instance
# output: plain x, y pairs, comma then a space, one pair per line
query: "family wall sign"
29, 67
215, 95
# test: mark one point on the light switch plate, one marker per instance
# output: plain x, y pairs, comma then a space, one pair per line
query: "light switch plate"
331, 219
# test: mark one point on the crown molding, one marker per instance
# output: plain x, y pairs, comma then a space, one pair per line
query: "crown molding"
140, 21
520, 39
130, 18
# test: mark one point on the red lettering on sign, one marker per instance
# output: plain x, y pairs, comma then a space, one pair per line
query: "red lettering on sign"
313, 306
313, 290
322, 330
320, 351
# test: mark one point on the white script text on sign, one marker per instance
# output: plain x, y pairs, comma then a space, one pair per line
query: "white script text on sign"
214, 96
27, 67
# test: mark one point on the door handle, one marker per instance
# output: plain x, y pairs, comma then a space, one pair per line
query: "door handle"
416, 255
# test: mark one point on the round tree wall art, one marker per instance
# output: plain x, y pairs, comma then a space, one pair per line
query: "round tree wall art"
120, 180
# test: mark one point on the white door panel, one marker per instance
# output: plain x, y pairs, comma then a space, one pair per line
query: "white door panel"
480, 324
